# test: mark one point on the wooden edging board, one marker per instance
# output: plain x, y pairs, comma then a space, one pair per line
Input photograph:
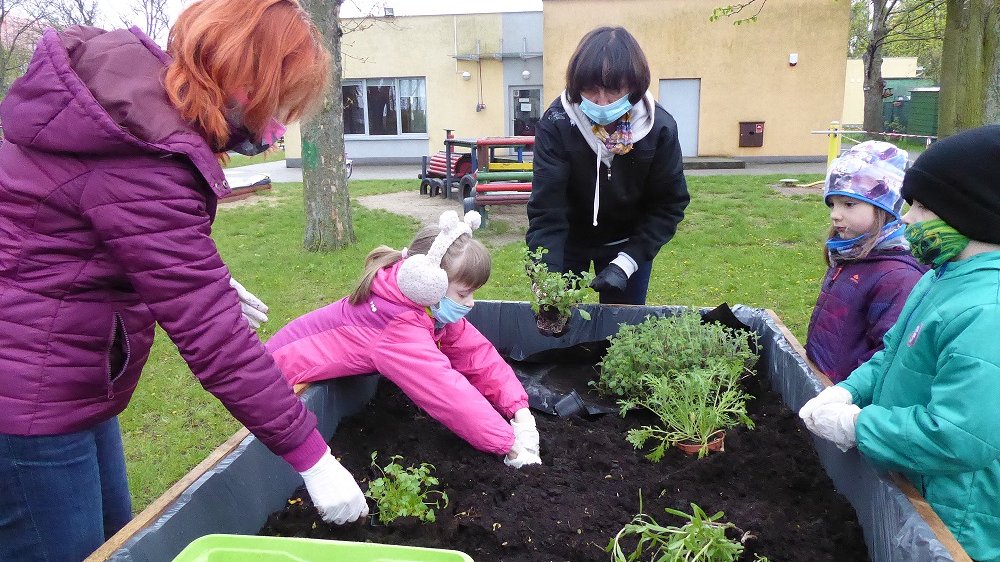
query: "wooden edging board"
155, 509
940, 530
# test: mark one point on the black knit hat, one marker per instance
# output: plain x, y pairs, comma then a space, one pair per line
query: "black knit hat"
958, 178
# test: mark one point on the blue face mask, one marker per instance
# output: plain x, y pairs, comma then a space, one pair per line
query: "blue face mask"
605, 114
448, 311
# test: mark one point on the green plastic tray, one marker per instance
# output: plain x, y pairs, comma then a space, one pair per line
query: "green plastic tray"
241, 548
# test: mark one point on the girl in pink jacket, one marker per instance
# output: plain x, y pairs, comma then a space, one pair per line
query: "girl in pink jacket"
405, 320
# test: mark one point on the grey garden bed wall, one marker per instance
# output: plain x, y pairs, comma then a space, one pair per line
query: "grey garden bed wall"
236, 495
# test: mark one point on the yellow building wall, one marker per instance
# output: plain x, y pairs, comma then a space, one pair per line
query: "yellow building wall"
744, 70
854, 84
426, 46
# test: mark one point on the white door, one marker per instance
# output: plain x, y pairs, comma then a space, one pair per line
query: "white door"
682, 99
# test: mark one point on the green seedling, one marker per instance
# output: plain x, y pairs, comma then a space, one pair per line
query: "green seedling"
405, 492
561, 292
701, 539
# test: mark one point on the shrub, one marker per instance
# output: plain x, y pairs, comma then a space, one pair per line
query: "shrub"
667, 346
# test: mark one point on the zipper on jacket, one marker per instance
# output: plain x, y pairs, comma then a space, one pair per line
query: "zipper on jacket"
117, 322
834, 278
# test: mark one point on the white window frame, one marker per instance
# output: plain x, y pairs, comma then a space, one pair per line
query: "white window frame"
363, 82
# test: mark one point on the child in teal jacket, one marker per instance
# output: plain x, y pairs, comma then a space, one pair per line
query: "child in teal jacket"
928, 405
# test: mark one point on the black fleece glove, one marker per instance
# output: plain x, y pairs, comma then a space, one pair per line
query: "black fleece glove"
611, 277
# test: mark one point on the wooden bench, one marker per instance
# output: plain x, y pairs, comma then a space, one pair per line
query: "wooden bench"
436, 171
499, 181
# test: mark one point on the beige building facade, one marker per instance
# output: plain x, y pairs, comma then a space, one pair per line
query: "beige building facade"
854, 84
753, 91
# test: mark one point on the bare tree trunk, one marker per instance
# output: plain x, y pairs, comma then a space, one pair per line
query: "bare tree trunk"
970, 93
327, 201
992, 110
874, 85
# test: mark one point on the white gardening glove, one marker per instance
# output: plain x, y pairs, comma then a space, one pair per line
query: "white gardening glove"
518, 457
253, 308
334, 492
829, 395
525, 432
835, 422
525, 448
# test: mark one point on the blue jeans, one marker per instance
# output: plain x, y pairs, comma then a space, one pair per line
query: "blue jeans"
579, 259
62, 496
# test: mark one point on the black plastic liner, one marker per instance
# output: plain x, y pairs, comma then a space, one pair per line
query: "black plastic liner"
238, 494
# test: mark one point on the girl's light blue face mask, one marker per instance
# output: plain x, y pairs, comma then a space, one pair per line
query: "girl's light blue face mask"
448, 311
605, 114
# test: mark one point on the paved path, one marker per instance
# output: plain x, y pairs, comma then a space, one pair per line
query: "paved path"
278, 172
428, 209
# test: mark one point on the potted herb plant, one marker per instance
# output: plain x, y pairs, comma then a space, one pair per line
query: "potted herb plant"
555, 294
686, 373
695, 408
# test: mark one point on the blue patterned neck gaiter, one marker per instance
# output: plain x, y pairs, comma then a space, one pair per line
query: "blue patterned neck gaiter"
890, 237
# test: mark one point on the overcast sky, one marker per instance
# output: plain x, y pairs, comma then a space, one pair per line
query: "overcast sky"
113, 9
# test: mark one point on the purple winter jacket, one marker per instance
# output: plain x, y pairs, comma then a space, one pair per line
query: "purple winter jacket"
107, 197
858, 302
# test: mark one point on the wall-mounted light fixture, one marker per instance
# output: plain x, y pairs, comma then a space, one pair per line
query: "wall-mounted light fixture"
466, 76
526, 74
793, 59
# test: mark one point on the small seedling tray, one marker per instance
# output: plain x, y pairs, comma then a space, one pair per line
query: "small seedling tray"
239, 548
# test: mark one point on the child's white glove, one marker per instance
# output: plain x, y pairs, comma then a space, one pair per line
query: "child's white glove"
836, 422
525, 450
518, 457
829, 395
254, 309
334, 491
525, 431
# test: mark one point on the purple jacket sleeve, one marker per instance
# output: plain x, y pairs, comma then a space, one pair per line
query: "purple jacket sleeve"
156, 224
887, 299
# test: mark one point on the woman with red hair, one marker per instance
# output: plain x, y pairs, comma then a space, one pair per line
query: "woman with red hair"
109, 179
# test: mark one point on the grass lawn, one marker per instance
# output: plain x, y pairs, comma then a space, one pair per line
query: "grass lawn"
741, 242
236, 160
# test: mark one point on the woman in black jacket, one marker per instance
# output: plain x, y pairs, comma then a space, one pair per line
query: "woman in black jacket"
608, 185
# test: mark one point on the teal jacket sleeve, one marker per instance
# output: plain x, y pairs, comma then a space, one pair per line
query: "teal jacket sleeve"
958, 429
863, 380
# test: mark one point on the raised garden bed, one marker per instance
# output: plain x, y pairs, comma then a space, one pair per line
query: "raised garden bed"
241, 483
769, 482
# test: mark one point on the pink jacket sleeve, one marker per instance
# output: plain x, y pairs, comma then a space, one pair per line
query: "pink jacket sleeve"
160, 232
408, 356
475, 357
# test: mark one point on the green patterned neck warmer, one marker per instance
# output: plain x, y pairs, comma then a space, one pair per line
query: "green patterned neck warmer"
935, 242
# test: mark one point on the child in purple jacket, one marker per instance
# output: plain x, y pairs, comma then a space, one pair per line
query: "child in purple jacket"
871, 270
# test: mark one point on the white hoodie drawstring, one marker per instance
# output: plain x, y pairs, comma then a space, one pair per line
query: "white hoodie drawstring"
597, 188
642, 124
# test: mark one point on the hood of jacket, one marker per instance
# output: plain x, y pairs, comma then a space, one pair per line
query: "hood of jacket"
95, 93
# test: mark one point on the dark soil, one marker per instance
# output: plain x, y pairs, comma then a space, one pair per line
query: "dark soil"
768, 482
550, 322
